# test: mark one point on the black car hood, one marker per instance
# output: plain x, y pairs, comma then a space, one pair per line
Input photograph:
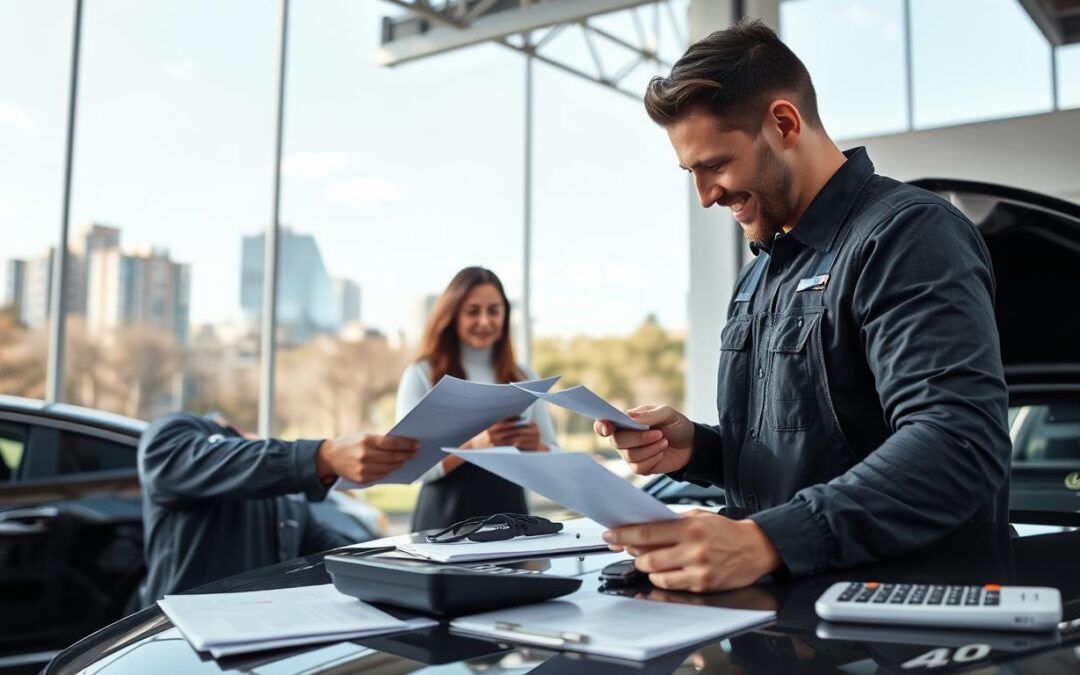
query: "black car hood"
1034, 242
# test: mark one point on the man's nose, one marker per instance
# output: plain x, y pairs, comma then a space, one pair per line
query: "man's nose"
708, 193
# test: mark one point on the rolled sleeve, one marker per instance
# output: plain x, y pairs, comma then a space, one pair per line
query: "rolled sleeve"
303, 470
801, 537
706, 459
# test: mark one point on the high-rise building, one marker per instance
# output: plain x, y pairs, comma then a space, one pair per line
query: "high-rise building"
142, 287
422, 307
14, 284
92, 237
37, 288
305, 296
347, 300
30, 281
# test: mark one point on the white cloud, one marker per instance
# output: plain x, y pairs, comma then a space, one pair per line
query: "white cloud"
14, 116
314, 165
362, 192
7, 212
181, 70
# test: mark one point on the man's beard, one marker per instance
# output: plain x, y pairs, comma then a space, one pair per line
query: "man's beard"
773, 195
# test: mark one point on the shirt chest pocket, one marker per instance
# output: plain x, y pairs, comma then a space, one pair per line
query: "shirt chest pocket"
791, 403
733, 378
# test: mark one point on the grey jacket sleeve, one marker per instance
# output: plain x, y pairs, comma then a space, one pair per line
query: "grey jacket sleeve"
924, 305
182, 460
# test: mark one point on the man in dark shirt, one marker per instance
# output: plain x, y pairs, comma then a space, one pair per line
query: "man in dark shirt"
218, 501
861, 396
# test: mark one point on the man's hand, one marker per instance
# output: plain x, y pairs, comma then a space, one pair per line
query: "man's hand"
664, 448
700, 552
362, 458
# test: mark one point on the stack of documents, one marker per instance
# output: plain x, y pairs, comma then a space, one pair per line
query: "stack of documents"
456, 410
580, 534
613, 626
572, 479
235, 623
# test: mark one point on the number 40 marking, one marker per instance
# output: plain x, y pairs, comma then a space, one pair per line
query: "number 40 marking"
935, 658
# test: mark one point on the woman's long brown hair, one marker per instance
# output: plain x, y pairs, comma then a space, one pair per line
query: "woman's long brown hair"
442, 347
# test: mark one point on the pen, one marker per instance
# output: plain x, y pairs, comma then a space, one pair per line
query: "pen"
557, 637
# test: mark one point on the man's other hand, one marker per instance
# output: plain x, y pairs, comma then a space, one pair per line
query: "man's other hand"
362, 458
664, 448
700, 552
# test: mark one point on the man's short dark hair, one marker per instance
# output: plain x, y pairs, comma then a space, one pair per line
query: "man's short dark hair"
733, 74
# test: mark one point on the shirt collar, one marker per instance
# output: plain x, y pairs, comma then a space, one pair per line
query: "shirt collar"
819, 223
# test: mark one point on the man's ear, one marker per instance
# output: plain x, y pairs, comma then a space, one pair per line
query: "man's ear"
784, 120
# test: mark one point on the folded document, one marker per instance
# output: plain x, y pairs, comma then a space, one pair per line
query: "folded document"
234, 623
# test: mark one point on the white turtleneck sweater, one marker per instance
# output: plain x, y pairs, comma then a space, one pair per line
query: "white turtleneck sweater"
479, 367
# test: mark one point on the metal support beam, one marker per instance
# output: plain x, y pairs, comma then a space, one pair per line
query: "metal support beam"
526, 295
268, 342
487, 27
54, 377
457, 29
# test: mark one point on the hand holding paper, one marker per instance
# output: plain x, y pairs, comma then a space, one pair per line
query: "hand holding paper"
665, 446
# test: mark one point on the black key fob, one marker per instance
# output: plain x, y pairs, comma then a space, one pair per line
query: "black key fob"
623, 573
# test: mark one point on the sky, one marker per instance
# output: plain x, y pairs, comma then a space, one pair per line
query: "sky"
406, 174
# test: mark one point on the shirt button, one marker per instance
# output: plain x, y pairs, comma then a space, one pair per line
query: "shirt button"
800, 323
753, 433
760, 373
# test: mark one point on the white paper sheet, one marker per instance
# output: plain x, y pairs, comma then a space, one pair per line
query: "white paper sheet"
583, 401
245, 621
249, 647
615, 626
572, 479
580, 534
451, 413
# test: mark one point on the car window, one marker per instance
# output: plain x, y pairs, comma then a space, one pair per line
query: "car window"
12, 449
79, 453
1046, 433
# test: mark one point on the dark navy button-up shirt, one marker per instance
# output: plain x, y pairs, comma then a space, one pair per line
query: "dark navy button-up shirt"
864, 414
217, 504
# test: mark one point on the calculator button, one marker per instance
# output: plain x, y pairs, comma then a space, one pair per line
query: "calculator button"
866, 594
973, 595
953, 595
849, 592
937, 595
918, 595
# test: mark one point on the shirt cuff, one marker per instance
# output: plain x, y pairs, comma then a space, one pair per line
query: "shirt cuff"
303, 470
800, 536
706, 461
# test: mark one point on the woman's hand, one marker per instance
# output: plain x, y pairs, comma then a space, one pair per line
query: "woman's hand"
509, 432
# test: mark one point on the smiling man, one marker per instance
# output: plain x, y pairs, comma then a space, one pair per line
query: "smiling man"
861, 396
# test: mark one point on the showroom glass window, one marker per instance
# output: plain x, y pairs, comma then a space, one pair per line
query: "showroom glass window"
172, 170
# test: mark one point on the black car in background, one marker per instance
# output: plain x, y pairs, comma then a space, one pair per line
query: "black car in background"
71, 556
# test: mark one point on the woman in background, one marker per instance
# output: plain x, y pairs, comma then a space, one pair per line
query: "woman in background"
468, 336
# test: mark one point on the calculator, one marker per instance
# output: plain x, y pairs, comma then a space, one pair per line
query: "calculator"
991, 606
440, 589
